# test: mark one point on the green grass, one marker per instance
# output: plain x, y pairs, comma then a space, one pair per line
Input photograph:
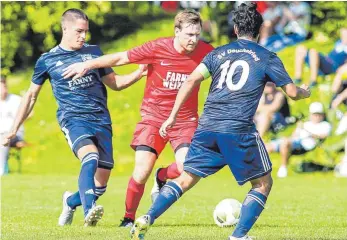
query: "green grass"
308, 206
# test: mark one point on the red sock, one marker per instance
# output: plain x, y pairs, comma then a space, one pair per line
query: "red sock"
134, 194
170, 172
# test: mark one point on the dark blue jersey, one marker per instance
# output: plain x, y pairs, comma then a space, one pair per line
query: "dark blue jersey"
82, 99
239, 73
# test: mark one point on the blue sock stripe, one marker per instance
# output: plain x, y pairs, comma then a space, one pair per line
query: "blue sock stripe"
101, 188
174, 190
176, 187
256, 199
259, 195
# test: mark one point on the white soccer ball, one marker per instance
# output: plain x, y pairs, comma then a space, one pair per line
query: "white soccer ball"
227, 212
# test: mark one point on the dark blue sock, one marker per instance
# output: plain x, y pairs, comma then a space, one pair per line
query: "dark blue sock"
75, 200
250, 211
169, 194
86, 185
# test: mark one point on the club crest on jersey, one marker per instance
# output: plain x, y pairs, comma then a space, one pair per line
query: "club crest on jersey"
174, 80
86, 57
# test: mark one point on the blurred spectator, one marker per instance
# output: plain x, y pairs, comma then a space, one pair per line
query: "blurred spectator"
318, 63
341, 168
291, 26
196, 5
9, 104
338, 84
272, 17
305, 138
272, 111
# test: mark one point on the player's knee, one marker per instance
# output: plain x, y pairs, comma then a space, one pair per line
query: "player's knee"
141, 175
313, 52
263, 184
301, 51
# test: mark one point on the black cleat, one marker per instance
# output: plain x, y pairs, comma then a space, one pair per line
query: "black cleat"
126, 223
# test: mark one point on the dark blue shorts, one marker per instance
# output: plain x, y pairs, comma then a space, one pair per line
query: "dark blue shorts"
326, 65
245, 154
101, 135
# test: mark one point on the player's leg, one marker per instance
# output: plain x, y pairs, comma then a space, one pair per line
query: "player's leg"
147, 144
300, 55
203, 159
253, 205
249, 161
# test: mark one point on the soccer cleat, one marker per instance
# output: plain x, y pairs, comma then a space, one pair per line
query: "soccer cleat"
158, 184
94, 216
66, 215
241, 238
140, 227
282, 172
126, 222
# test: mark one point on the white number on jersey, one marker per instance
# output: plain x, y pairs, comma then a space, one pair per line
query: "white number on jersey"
227, 76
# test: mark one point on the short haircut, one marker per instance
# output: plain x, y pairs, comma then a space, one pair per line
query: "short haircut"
187, 16
248, 20
3, 79
73, 14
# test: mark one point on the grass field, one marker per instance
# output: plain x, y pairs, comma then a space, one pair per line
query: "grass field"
306, 206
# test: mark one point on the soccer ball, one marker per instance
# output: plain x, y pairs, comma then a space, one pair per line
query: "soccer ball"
227, 212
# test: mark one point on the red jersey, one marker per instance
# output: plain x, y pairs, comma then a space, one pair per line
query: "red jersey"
167, 70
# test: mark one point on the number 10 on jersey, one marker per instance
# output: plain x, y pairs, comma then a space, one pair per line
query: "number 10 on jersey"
227, 76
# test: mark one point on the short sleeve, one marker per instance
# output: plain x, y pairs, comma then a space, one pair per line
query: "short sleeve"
40, 72
276, 72
103, 71
143, 54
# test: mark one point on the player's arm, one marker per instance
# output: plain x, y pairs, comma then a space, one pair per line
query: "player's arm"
110, 60
295, 92
25, 108
120, 82
194, 79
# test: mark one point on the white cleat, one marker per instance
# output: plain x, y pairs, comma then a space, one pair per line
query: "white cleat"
242, 238
282, 172
140, 227
94, 216
66, 215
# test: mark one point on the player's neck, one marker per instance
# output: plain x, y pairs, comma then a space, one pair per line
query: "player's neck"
247, 38
64, 45
179, 48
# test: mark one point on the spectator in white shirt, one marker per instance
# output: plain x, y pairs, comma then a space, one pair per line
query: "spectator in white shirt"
9, 105
304, 139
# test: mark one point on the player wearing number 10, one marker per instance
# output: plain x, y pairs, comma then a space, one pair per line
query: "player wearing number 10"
226, 134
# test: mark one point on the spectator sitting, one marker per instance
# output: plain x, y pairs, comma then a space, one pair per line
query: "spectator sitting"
291, 29
304, 139
9, 104
272, 111
318, 63
272, 17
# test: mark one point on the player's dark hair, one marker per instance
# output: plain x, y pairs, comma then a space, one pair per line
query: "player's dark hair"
248, 20
73, 14
187, 16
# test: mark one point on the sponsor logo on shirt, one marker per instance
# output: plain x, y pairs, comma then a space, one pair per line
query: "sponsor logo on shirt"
86, 57
174, 80
82, 82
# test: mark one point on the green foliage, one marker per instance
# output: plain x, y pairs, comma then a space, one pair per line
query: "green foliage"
329, 17
31, 28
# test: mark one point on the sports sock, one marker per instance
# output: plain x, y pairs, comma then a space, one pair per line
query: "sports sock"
170, 172
75, 200
134, 194
168, 195
251, 209
86, 185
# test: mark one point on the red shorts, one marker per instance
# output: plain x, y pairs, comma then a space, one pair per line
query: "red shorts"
147, 134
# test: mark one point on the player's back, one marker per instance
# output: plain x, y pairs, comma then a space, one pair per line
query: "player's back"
239, 73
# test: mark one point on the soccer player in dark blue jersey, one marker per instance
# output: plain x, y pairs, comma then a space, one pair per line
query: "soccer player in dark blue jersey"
226, 134
82, 112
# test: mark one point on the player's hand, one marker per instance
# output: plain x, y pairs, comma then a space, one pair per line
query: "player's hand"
167, 124
7, 139
75, 70
307, 91
143, 69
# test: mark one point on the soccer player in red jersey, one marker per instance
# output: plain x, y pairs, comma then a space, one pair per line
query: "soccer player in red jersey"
170, 61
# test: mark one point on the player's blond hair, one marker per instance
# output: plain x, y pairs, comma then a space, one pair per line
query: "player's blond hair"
187, 16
